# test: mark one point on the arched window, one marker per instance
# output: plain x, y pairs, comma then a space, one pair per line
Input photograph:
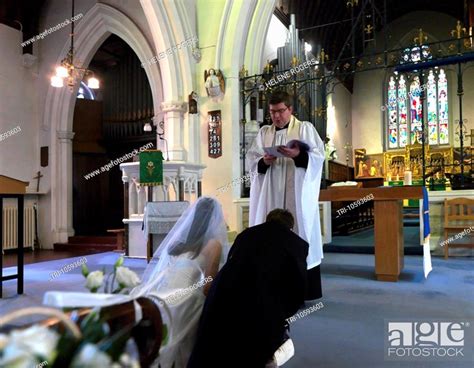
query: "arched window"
85, 92
405, 112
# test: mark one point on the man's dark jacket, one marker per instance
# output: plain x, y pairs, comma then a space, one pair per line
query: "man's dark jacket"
262, 284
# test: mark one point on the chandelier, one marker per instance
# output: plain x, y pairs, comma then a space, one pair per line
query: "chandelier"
70, 72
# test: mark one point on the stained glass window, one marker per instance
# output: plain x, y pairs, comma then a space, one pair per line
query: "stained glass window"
405, 112
392, 114
416, 111
432, 109
402, 111
415, 54
84, 92
443, 108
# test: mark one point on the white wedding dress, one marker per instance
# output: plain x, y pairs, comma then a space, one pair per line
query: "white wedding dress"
177, 265
175, 277
183, 309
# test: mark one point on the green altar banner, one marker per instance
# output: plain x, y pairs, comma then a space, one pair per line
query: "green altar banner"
151, 168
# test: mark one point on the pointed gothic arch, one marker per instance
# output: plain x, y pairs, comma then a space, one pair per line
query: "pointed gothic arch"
98, 23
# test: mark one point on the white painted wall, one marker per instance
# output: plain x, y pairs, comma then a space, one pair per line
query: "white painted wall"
19, 156
219, 171
339, 121
367, 118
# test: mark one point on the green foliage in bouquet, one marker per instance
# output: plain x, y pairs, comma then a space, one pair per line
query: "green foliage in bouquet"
93, 346
96, 345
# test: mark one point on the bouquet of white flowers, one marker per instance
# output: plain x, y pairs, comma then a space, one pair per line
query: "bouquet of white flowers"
89, 345
123, 276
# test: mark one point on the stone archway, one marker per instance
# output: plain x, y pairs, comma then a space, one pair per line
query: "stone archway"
98, 23
242, 34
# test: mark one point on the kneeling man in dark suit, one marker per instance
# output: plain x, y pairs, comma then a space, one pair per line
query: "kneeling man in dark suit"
262, 284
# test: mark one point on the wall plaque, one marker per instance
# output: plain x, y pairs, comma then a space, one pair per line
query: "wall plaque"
214, 134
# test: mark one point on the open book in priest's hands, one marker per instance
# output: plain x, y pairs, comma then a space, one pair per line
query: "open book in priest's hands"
273, 150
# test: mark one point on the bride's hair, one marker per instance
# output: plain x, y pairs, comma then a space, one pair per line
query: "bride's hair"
201, 222
200, 225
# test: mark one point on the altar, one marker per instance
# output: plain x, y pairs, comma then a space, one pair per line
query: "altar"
389, 247
181, 182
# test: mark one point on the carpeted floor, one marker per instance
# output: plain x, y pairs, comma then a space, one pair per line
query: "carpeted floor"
350, 330
362, 242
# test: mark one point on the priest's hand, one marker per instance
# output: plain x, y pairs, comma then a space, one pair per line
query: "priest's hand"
289, 152
269, 159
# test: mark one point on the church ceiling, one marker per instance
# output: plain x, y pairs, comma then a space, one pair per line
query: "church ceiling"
336, 14
23, 15
323, 23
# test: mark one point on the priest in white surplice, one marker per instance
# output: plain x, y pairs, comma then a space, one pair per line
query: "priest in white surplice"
290, 182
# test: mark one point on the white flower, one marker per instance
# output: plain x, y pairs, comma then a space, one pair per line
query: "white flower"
13, 357
94, 280
126, 277
37, 339
126, 361
91, 357
3, 341
22, 347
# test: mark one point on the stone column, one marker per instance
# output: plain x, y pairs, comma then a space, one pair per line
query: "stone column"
142, 199
199, 184
128, 207
181, 183
65, 203
174, 130
160, 144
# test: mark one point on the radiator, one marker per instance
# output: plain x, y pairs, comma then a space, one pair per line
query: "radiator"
10, 225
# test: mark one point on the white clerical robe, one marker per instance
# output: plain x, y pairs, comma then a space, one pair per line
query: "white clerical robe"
286, 186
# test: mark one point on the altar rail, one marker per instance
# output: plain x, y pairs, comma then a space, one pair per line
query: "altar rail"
181, 181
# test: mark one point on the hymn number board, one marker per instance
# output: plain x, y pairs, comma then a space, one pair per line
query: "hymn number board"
214, 134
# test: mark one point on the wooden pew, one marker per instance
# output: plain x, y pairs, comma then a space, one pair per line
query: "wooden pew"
458, 216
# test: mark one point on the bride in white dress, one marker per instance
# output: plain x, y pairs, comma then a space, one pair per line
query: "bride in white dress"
180, 274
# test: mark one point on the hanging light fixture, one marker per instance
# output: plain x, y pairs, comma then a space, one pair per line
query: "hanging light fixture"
57, 82
93, 83
71, 73
147, 127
